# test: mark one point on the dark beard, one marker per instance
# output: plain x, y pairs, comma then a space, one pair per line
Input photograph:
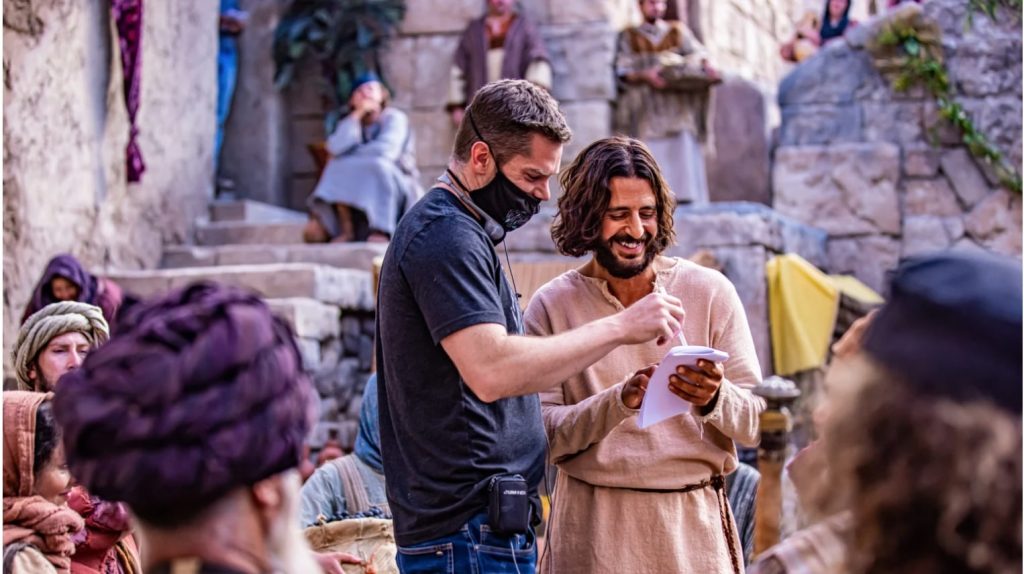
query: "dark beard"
624, 269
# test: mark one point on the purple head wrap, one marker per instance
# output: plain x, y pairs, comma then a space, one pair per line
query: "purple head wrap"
200, 392
66, 266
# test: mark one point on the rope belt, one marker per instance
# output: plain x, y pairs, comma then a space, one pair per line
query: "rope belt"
716, 482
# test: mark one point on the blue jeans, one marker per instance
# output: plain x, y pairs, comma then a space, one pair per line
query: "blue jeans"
474, 549
227, 72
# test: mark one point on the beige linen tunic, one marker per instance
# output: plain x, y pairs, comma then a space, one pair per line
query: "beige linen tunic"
597, 523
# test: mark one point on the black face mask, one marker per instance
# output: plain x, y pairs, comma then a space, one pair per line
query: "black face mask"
507, 204
510, 206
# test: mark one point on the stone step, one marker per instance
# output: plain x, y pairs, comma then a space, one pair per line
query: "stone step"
309, 318
252, 211
346, 255
246, 233
345, 288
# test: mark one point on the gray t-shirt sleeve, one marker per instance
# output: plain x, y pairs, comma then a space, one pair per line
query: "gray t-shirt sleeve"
454, 279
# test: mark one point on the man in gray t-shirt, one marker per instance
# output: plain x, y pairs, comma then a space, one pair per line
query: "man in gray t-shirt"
457, 380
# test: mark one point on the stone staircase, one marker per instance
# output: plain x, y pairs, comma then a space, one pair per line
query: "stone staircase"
323, 291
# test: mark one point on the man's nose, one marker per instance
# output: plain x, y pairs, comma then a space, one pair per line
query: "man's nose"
75, 359
543, 191
635, 226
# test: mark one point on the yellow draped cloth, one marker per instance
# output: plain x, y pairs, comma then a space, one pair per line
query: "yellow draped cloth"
802, 306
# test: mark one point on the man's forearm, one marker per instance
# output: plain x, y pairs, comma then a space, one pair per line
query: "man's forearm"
525, 365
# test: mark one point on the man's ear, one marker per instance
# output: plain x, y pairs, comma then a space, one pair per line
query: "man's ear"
33, 372
480, 157
267, 492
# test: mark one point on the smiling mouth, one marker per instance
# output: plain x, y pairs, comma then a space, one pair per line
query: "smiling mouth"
630, 244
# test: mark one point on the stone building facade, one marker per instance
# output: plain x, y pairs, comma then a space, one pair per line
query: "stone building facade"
880, 171
268, 132
65, 130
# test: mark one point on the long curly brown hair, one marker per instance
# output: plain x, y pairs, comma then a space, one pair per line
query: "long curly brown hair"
934, 484
586, 193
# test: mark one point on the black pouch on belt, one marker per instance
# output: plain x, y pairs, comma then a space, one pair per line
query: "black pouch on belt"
509, 509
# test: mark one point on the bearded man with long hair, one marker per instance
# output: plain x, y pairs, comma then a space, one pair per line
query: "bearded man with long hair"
659, 488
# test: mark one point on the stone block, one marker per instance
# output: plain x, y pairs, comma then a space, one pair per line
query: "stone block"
328, 408
869, 258
434, 136
589, 121
433, 64
351, 330
365, 353
398, 64
831, 76
346, 255
930, 197
921, 160
844, 189
252, 212
991, 67
968, 182
742, 224
809, 124
999, 118
927, 233
307, 317
938, 129
897, 122
440, 17
740, 168
995, 222
188, 256
345, 288
331, 353
369, 325
235, 232
582, 61
309, 350
585, 11
967, 245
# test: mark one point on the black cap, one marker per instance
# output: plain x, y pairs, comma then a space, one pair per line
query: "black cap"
952, 327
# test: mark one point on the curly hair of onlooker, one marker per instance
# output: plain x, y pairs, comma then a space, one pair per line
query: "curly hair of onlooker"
935, 483
586, 192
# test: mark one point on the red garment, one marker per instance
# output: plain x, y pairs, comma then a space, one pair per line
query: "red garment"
107, 528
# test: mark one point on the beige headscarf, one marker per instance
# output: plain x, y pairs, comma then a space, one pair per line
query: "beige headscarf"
51, 321
27, 517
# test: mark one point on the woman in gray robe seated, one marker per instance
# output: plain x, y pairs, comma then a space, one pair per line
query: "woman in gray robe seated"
370, 179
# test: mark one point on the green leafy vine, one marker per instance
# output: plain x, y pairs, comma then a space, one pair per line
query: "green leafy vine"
919, 63
989, 7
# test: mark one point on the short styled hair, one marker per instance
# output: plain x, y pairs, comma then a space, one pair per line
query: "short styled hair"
586, 193
506, 114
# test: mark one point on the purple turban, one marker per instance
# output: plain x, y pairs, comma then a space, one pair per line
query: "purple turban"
200, 392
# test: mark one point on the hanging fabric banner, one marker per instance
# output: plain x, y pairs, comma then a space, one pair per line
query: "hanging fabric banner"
128, 19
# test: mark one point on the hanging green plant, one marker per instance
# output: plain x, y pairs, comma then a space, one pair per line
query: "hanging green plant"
911, 52
346, 38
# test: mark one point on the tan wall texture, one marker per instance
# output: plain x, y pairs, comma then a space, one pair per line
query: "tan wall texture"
65, 128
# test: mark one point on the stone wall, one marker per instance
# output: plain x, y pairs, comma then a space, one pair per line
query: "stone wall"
267, 135
880, 171
65, 130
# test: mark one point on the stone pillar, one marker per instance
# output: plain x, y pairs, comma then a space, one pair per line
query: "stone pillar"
738, 166
255, 152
